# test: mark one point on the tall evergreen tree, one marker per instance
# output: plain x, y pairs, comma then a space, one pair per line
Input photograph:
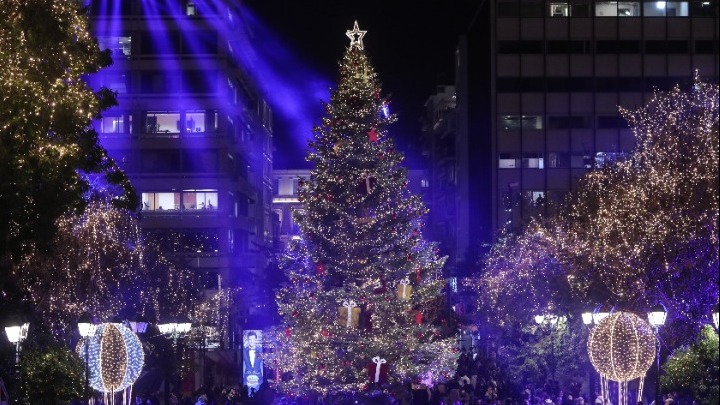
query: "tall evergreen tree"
48, 151
360, 309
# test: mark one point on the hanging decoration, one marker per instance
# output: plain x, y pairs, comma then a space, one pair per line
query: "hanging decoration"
622, 348
373, 135
365, 184
115, 360
349, 314
404, 289
377, 370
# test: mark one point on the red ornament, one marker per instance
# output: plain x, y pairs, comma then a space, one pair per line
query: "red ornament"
320, 269
328, 197
417, 275
295, 314
372, 135
288, 332
418, 317
325, 333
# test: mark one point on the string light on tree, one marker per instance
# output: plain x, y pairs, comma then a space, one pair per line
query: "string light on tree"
360, 221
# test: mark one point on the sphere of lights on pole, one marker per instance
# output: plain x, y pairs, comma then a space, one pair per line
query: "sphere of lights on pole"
115, 357
622, 347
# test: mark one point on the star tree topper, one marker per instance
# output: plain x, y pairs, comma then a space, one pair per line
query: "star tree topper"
352, 35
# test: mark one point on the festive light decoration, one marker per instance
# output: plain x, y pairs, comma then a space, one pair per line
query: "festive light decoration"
622, 348
49, 149
102, 264
644, 225
356, 36
116, 358
360, 220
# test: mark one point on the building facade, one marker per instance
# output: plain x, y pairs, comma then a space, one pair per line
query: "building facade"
559, 71
193, 135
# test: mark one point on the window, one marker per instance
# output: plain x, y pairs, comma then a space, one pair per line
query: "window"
617, 9
190, 8
558, 160
704, 8
169, 201
167, 122
195, 121
424, 183
533, 161
160, 161
665, 8
515, 122
611, 121
200, 161
559, 10
567, 122
605, 158
621, 46
525, 46
193, 200
705, 46
581, 161
572, 46
115, 124
534, 198
508, 9
580, 8
118, 45
188, 240
508, 161
664, 47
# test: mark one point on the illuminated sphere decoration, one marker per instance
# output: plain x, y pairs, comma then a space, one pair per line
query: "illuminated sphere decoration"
115, 357
622, 347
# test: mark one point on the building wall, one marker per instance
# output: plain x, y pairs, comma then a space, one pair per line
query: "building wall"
191, 132
559, 71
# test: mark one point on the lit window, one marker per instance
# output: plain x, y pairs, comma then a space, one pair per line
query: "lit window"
114, 124
162, 122
559, 10
617, 9
195, 121
515, 122
190, 8
118, 46
167, 201
194, 200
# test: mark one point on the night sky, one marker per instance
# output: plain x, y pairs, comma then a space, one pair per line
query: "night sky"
410, 44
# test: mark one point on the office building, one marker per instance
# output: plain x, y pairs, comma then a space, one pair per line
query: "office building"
194, 136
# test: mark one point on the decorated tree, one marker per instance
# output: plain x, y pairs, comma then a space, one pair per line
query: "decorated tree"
103, 265
360, 308
640, 230
644, 229
47, 147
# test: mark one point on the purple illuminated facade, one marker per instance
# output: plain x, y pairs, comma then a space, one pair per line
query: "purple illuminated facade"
192, 133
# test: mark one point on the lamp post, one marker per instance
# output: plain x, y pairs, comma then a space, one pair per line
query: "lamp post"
87, 329
656, 318
551, 321
587, 318
17, 331
716, 316
174, 329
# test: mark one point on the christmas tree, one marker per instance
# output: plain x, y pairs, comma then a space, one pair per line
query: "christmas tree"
361, 307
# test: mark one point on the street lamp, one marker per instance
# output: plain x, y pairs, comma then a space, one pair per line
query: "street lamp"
87, 329
716, 316
17, 331
550, 320
174, 329
138, 325
656, 318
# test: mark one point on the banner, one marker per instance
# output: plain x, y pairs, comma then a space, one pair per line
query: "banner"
252, 360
